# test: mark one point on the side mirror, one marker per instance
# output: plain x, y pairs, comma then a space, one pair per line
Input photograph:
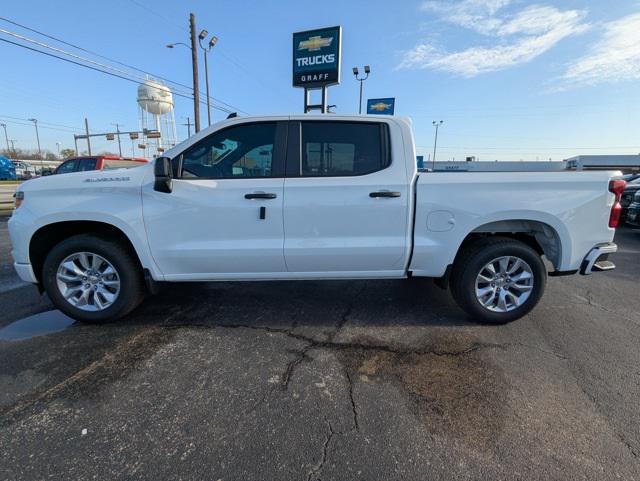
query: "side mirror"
164, 175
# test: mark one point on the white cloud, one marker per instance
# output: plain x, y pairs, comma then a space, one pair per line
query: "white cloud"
520, 37
615, 57
540, 19
478, 15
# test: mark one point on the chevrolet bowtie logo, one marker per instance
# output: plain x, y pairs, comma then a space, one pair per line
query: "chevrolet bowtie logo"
315, 43
380, 106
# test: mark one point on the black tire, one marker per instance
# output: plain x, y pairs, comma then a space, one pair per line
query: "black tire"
132, 290
471, 261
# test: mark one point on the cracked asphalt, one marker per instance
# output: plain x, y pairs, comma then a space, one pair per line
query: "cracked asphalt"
349, 380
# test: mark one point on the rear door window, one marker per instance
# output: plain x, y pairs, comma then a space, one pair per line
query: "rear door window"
334, 149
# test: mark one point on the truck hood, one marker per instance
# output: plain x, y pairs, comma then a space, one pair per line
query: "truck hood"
125, 177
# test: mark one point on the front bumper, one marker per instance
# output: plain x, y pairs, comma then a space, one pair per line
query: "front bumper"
25, 272
597, 259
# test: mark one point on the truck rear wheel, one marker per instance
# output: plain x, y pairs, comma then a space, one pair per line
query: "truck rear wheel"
92, 279
497, 280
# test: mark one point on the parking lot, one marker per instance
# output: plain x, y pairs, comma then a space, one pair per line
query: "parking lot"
348, 380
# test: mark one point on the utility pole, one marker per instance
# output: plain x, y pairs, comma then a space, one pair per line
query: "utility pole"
118, 134
435, 142
194, 66
367, 70
13, 148
6, 137
188, 124
58, 144
86, 128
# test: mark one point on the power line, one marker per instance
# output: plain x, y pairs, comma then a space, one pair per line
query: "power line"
230, 59
93, 53
43, 122
153, 12
70, 54
41, 126
98, 64
103, 71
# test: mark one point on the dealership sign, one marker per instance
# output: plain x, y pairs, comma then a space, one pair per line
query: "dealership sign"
381, 106
316, 57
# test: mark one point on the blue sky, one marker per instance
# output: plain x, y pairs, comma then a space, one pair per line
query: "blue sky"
511, 79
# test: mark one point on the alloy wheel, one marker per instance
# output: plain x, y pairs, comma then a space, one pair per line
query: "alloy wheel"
88, 281
504, 284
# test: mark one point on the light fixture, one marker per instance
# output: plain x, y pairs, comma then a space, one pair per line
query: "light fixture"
203, 35
355, 71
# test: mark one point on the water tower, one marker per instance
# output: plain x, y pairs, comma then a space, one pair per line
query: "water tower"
155, 103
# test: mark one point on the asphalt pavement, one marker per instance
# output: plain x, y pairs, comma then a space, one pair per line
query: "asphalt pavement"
348, 380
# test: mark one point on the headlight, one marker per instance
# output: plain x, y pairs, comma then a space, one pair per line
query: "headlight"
18, 198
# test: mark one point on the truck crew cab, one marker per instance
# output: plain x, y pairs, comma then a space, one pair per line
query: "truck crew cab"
309, 197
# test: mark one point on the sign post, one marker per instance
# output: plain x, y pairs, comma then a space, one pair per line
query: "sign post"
316, 63
381, 106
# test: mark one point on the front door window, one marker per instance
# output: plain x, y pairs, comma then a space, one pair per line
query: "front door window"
242, 151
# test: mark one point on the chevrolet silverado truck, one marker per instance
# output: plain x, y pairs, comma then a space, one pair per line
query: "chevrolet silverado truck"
309, 197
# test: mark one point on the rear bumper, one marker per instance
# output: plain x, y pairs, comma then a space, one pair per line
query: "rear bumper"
25, 272
597, 259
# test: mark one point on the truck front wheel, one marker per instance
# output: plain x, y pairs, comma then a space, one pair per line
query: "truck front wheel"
92, 279
498, 280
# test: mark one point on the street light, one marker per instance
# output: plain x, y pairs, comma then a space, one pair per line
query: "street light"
206, 50
58, 144
367, 71
35, 123
196, 102
6, 137
173, 45
435, 142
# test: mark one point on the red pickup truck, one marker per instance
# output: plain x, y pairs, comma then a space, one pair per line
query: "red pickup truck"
98, 162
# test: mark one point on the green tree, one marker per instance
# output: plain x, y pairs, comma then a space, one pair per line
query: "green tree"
67, 153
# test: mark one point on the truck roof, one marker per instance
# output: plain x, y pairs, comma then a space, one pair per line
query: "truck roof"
109, 157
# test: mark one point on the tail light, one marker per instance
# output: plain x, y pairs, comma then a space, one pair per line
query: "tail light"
616, 187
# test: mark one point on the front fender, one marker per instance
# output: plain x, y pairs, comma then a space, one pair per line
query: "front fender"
24, 224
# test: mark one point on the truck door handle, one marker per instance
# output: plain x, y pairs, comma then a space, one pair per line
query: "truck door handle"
384, 193
260, 195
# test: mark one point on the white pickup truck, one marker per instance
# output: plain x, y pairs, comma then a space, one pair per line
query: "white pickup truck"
309, 197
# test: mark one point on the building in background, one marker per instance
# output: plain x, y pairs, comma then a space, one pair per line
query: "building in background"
625, 163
